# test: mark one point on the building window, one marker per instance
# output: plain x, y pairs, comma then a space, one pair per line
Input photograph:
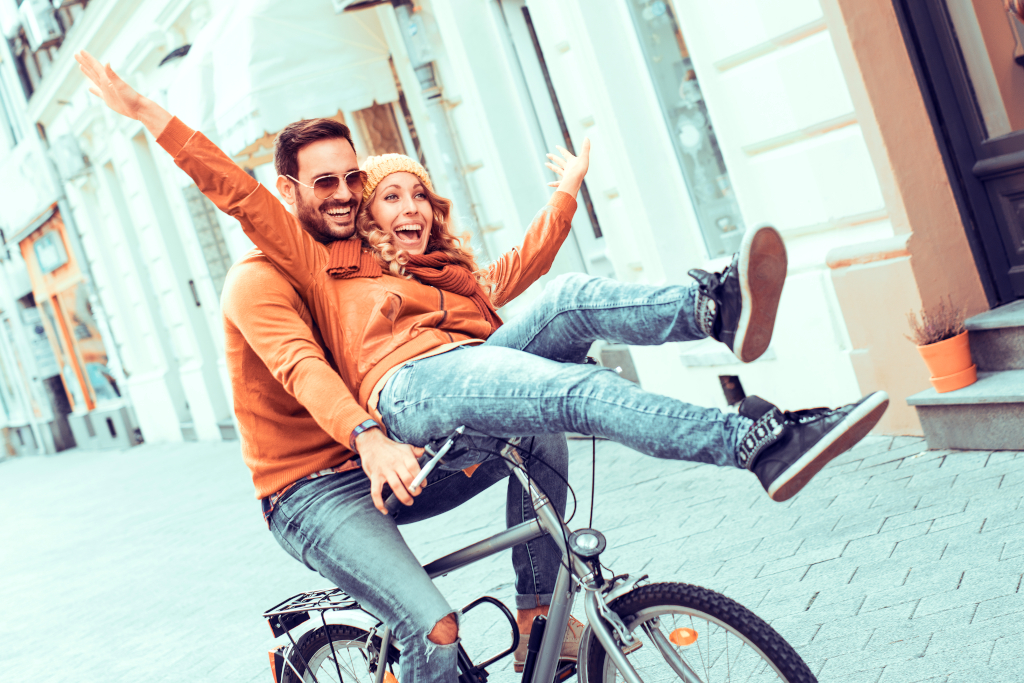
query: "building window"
40, 30
689, 125
379, 129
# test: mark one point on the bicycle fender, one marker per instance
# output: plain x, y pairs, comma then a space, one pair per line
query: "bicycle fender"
354, 617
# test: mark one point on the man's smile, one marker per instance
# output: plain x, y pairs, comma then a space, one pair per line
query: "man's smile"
339, 214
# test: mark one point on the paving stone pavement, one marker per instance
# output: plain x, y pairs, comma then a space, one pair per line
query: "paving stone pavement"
895, 565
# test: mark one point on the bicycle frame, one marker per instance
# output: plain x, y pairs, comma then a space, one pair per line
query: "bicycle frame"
548, 523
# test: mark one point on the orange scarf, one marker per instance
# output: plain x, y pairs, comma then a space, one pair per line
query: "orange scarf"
444, 273
349, 260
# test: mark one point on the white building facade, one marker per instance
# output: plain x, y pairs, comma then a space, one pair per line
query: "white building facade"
705, 118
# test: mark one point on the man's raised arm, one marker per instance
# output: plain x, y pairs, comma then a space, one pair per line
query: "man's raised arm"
265, 220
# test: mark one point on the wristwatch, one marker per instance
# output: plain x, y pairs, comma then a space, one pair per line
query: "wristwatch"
360, 428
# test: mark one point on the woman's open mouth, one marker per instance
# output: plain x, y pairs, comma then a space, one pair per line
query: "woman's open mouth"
408, 234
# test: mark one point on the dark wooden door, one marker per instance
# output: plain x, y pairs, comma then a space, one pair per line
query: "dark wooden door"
965, 54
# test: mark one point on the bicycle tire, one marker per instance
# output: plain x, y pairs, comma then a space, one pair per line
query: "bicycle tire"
759, 653
350, 645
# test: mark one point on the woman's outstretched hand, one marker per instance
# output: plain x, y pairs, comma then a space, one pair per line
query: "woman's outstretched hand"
120, 96
570, 168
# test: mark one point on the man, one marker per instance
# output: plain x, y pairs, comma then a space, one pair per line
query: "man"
297, 428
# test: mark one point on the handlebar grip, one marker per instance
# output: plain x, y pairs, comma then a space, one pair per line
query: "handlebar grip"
391, 501
427, 462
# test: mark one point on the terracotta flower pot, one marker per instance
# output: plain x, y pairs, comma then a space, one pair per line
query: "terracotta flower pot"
949, 363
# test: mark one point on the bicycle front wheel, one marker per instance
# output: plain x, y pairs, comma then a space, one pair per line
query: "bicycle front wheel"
688, 633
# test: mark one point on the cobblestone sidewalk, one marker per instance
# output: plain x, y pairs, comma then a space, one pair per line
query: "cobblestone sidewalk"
895, 564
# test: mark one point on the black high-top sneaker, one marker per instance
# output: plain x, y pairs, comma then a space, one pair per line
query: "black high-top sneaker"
737, 306
785, 450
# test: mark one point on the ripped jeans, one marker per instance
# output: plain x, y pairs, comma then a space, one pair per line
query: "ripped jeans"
330, 525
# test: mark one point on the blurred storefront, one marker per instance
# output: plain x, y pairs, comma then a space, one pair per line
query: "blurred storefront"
57, 387
87, 395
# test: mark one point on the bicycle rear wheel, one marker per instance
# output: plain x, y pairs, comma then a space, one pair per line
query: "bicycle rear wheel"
349, 646
716, 637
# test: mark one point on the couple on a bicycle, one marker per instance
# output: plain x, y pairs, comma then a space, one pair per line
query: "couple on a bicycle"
410, 320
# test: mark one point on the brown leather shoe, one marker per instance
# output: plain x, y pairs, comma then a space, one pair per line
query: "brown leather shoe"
570, 646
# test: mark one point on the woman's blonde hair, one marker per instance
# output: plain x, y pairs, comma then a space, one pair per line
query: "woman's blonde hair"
394, 259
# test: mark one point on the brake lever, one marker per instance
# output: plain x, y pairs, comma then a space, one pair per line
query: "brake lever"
432, 459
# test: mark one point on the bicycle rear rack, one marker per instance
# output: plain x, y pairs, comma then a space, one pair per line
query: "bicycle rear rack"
285, 616
295, 610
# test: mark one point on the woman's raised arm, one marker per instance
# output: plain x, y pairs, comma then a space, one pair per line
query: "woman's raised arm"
519, 268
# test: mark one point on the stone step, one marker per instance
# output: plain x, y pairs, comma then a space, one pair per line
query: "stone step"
997, 338
188, 432
987, 415
225, 427
227, 430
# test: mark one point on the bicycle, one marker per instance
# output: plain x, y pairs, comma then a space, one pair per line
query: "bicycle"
637, 631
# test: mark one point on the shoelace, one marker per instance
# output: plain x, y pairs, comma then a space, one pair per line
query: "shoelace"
808, 415
709, 296
710, 283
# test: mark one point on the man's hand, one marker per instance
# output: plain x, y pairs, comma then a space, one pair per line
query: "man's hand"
120, 96
388, 461
570, 168
109, 87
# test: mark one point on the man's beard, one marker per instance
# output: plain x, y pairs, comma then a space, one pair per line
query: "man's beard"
317, 224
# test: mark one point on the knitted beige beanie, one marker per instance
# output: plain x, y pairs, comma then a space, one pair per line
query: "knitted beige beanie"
379, 167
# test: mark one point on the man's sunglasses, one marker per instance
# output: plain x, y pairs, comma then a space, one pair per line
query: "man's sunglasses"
326, 185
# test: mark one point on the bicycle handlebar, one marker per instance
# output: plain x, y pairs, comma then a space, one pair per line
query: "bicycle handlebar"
428, 461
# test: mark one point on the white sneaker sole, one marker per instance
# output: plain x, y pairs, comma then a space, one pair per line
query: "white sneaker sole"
762, 266
836, 441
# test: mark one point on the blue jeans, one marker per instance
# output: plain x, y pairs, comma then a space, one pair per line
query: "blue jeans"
330, 525
528, 377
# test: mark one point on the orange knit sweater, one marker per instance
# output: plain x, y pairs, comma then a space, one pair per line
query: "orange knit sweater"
272, 343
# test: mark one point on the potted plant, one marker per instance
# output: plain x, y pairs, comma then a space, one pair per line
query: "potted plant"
941, 340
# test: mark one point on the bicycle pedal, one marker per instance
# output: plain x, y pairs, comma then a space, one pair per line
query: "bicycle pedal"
629, 649
565, 671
